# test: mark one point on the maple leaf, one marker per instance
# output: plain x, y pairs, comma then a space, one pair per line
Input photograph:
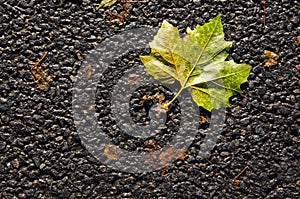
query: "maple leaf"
197, 62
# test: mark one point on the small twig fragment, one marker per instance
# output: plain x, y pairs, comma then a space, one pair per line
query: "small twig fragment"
40, 61
236, 182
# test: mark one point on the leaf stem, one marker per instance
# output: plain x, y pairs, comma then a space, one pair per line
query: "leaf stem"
166, 106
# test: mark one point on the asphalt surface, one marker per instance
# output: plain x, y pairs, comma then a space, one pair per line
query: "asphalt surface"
43, 155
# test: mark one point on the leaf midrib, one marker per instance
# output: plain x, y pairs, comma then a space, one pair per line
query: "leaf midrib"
199, 57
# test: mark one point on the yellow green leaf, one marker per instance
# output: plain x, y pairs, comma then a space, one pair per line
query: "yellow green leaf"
197, 61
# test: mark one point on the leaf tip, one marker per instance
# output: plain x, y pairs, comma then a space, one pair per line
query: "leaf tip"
166, 25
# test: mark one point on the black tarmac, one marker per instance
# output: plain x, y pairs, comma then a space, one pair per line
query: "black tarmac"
42, 154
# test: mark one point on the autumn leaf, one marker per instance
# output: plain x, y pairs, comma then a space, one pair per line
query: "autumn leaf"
197, 62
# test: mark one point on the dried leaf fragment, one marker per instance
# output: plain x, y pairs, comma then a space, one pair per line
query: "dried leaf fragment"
39, 74
164, 158
152, 145
106, 3
118, 18
271, 58
298, 41
23, 30
112, 152
204, 120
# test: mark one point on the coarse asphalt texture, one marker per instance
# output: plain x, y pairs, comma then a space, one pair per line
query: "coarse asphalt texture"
42, 155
